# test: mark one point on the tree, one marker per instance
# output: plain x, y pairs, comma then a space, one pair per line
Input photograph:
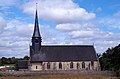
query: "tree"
3, 61
110, 60
13, 60
16, 65
26, 58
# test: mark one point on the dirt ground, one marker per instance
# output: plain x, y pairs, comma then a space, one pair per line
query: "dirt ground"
60, 76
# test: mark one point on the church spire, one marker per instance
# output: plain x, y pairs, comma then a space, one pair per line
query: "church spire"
36, 26
36, 38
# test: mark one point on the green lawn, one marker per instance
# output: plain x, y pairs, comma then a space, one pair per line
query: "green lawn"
60, 76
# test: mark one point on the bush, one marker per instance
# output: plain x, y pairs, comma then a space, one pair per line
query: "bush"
0, 75
118, 73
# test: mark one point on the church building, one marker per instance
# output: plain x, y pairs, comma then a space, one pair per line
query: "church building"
60, 57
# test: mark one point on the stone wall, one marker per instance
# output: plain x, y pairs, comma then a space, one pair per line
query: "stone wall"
30, 73
76, 65
36, 66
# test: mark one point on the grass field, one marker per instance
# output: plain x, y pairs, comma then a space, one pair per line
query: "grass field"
60, 76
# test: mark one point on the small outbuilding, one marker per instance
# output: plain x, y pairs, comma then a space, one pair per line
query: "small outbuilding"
23, 65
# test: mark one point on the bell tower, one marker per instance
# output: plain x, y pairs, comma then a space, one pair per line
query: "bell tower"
36, 38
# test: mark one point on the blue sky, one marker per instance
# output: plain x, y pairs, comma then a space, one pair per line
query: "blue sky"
62, 22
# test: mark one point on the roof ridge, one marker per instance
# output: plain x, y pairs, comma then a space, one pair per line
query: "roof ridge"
67, 45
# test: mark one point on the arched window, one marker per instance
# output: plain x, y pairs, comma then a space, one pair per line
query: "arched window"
36, 40
78, 65
83, 64
60, 65
36, 67
71, 65
89, 66
92, 63
48, 65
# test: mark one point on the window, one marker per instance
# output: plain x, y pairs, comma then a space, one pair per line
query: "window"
83, 64
48, 65
36, 67
77, 65
89, 66
36, 41
71, 65
92, 63
60, 65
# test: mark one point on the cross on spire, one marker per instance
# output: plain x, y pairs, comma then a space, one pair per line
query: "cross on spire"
36, 6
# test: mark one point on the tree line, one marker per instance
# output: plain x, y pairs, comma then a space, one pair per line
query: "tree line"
110, 59
12, 61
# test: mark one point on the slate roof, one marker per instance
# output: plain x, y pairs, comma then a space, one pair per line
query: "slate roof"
64, 53
36, 32
23, 64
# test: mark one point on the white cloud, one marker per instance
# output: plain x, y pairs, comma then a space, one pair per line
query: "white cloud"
117, 14
17, 35
110, 22
2, 24
15, 38
67, 27
59, 11
81, 34
78, 30
76, 26
88, 33
18, 28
